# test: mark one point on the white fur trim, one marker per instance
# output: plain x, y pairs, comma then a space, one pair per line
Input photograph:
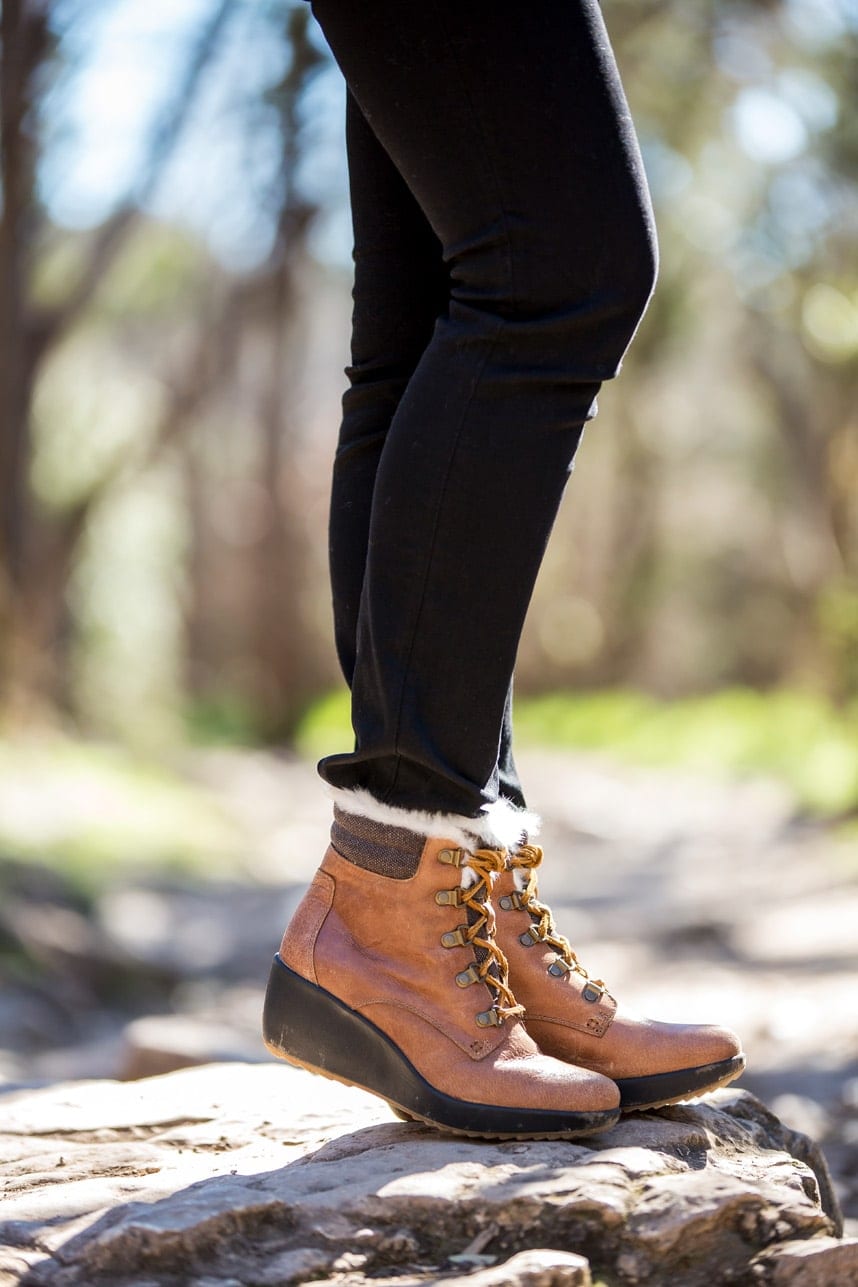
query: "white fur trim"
510, 825
501, 824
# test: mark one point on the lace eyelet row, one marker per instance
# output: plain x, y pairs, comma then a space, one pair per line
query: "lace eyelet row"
484, 862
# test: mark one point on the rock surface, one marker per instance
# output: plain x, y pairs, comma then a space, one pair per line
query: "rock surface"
696, 898
247, 1176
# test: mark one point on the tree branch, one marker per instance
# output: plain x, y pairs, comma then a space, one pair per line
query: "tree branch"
165, 135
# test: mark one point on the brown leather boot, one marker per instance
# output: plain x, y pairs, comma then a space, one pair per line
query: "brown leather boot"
398, 986
574, 1017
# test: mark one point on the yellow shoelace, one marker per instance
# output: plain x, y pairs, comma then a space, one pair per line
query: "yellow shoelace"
527, 858
484, 862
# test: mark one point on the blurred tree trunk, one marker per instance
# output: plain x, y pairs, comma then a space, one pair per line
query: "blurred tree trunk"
816, 420
247, 636
37, 549
25, 45
281, 643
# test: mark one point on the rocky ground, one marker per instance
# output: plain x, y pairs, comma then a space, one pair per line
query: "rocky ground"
237, 1176
693, 898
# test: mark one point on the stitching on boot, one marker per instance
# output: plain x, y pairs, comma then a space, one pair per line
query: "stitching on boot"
596, 1026
477, 1049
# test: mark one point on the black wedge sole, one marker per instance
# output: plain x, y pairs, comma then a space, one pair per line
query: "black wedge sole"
659, 1089
307, 1025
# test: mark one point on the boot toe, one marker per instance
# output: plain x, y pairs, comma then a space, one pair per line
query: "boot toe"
533, 1078
692, 1046
562, 1086
718, 1044
665, 1063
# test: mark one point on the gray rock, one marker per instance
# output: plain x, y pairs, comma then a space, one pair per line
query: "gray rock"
159, 1044
539, 1268
265, 1176
824, 1262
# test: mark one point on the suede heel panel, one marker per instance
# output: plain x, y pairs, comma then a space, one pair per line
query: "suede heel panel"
296, 949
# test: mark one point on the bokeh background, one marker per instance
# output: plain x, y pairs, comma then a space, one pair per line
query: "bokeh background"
175, 276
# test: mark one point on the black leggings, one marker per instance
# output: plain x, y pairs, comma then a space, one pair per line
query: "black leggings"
505, 251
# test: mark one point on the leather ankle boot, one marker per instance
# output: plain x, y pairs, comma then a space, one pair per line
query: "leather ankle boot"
397, 986
573, 1017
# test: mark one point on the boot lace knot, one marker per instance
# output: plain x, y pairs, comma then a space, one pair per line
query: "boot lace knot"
528, 858
491, 964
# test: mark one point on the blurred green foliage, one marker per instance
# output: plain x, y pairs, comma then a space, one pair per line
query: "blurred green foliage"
93, 810
186, 309
798, 737
838, 624
223, 719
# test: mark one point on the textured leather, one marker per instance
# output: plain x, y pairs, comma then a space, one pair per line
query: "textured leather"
594, 1033
296, 948
377, 947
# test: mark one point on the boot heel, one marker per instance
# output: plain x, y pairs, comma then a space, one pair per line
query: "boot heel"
305, 1024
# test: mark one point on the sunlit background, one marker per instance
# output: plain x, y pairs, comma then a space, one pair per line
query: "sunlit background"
175, 276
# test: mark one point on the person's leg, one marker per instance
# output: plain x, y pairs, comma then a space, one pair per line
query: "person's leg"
511, 131
551, 259
389, 974
401, 285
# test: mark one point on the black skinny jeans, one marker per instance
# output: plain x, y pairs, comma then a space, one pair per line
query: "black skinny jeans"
505, 251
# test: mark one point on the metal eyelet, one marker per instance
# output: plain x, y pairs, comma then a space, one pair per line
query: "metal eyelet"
511, 902
454, 938
448, 897
592, 993
529, 937
489, 1019
559, 967
467, 977
453, 857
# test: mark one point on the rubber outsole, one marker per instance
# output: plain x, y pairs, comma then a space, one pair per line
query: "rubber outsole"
660, 1089
308, 1026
